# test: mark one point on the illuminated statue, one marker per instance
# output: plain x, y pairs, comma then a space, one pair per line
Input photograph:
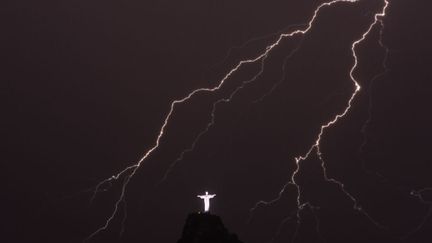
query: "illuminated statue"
206, 199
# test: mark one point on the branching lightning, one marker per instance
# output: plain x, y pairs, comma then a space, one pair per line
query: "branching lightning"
316, 146
356, 205
128, 173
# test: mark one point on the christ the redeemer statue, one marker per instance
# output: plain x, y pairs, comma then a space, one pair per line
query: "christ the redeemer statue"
206, 199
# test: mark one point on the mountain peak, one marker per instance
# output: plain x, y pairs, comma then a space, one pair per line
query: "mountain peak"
206, 228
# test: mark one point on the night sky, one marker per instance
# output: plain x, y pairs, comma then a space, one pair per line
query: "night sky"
86, 86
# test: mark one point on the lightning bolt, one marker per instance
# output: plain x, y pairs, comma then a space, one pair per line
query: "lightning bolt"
316, 147
129, 172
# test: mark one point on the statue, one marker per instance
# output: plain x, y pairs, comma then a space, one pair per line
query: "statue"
206, 199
